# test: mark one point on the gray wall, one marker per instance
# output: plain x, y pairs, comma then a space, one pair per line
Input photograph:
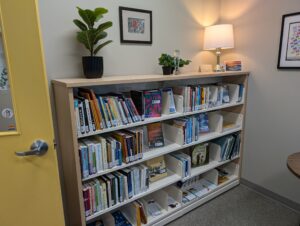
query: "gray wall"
273, 124
177, 24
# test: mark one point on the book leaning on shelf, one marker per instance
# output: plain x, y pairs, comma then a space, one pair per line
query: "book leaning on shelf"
187, 129
226, 147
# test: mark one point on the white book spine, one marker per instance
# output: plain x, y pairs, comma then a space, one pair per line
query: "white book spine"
82, 117
100, 157
104, 153
89, 116
76, 109
120, 107
126, 188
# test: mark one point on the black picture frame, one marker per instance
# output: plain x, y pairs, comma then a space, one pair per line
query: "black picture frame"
148, 39
283, 61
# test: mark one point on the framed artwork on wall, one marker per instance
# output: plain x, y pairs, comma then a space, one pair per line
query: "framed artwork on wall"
135, 25
289, 49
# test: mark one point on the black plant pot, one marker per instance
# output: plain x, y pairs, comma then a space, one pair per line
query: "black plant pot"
167, 70
92, 66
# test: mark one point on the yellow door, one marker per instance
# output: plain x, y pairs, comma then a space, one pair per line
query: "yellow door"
30, 192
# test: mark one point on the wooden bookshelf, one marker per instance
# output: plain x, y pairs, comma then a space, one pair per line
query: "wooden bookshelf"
68, 141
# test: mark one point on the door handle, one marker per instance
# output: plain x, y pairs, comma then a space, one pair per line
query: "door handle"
38, 148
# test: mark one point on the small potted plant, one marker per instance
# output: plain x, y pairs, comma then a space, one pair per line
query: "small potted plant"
169, 63
91, 36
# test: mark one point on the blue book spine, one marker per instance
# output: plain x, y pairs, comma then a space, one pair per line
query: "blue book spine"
84, 161
119, 153
241, 92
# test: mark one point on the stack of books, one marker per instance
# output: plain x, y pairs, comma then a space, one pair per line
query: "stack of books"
114, 188
105, 152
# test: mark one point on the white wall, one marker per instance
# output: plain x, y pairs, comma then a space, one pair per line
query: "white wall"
176, 25
273, 123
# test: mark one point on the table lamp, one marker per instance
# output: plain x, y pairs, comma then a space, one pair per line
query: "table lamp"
218, 37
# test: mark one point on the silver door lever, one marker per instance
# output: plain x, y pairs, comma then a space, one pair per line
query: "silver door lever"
38, 148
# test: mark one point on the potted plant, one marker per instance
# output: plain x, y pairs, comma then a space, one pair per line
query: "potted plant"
169, 63
91, 36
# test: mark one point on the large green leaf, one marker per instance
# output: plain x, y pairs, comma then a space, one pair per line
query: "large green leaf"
99, 35
88, 16
104, 26
98, 12
81, 25
101, 46
86, 38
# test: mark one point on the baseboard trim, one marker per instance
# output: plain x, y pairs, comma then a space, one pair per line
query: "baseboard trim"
287, 202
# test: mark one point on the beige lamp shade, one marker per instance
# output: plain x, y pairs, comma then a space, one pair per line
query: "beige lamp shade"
218, 36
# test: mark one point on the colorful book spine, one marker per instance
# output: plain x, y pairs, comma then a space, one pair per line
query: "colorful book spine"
84, 160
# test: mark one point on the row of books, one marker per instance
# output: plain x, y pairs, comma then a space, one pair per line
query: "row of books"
96, 112
114, 188
190, 128
105, 152
200, 97
227, 147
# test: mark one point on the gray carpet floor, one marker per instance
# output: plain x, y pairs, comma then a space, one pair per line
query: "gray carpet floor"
240, 206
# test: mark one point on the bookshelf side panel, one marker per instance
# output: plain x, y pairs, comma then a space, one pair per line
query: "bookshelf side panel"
68, 148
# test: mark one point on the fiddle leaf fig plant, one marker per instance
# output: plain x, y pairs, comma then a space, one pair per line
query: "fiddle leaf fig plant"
90, 35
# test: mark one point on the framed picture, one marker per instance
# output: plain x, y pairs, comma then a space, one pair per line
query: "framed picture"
289, 48
135, 25
234, 65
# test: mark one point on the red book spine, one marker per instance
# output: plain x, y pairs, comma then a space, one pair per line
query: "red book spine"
86, 199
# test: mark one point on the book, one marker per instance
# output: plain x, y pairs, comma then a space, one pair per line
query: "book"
94, 104
203, 123
155, 135
157, 168
84, 160
153, 103
138, 99
199, 155
168, 102
154, 208
120, 219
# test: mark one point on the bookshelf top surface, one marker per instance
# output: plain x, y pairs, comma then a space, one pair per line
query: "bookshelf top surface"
129, 79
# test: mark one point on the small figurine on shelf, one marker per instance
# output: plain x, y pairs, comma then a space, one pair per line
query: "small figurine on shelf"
176, 62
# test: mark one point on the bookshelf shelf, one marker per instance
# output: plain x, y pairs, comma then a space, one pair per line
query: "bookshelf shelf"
68, 141
169, 148
165, 182
155, 186
168, 216
160, 119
